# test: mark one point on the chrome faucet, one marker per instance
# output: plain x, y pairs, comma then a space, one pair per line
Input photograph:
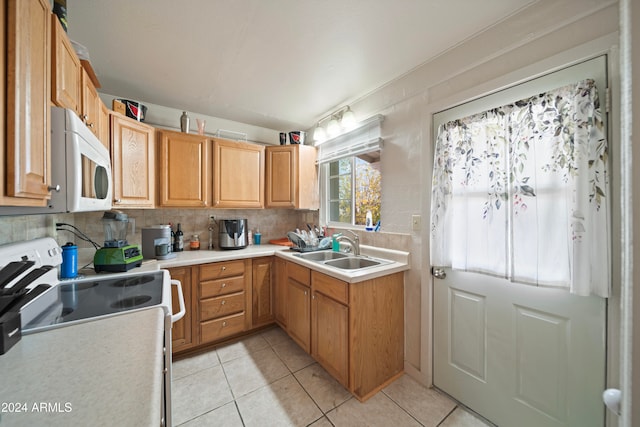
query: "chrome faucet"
355, 242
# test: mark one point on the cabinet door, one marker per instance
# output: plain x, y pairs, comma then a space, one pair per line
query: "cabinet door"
104, 126
184, 170
299, 314
280, 291
181, 332
90, 105
262, 310
65, 69
291, 177
133, 162
238, 174
330, 332
281, 177
28, 155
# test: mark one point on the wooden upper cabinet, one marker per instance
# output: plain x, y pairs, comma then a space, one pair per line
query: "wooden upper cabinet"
291, 177
28, 79
65, 69
238, 174
104, 126
133, 162
91, 104
184, 164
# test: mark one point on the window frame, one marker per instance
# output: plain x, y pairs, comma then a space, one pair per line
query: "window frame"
325, 201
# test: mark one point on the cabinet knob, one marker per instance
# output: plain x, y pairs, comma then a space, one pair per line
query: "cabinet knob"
223, 302
224, 323
90, 125
305, 292
117, 200
55, 188
224, 268
224, 285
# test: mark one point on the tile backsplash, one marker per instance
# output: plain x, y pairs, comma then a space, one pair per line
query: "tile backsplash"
273, 224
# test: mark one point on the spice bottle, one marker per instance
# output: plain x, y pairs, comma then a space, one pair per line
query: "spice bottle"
194, 243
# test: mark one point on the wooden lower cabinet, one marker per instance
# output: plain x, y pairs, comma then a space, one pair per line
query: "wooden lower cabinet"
330, 336
280, 291
299, 305
262, 284
224, 299
181, 331
354, 330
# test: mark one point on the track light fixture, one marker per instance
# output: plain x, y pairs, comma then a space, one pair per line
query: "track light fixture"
338, 122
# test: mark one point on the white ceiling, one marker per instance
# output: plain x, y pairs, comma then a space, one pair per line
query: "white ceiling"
279, 64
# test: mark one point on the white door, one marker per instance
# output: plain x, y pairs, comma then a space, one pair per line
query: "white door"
516, 354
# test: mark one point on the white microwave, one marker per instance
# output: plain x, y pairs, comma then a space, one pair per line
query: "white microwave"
80, 169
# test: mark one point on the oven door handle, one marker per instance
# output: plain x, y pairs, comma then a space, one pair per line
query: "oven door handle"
179, 315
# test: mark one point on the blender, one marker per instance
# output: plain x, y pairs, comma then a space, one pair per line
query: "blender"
117, 255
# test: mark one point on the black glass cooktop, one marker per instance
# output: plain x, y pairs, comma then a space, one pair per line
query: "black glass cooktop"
100, 296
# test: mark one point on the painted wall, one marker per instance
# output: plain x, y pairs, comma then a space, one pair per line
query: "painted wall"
549, 35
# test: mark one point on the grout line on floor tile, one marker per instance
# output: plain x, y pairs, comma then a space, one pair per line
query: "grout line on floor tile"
239, 413
447, 416
402, 407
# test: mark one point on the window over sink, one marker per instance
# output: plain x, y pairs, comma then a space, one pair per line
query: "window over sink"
353, 188
350, 176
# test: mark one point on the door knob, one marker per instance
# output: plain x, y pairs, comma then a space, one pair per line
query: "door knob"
612, 398
438, 272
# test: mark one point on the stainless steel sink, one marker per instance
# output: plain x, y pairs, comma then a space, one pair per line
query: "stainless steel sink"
353, 263
341, 260
322, 255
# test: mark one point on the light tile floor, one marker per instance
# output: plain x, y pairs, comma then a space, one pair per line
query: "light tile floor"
266, 379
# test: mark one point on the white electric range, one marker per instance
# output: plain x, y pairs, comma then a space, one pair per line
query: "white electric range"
45, 302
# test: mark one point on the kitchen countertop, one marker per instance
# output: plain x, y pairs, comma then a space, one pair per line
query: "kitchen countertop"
399, 260
101, 372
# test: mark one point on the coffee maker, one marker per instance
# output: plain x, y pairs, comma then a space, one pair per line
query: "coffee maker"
117, 255
156, 242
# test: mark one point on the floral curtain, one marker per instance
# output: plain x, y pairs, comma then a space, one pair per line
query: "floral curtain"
519, 192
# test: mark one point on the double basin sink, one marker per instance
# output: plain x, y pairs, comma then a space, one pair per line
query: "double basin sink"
342, 260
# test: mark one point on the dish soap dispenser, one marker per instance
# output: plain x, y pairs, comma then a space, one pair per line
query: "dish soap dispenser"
368, 223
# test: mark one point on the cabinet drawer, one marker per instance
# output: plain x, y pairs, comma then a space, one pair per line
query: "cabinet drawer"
224, 286
219, 270
219, 328
299, 273
333, 288
212, 308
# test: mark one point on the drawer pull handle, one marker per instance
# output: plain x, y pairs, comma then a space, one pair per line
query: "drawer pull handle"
224, 323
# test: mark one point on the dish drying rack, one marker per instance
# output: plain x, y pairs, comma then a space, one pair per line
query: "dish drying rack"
300, 244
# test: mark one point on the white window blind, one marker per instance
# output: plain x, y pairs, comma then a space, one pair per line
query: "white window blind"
363, 139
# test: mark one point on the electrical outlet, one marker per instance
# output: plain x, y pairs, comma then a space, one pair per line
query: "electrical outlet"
416, 222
